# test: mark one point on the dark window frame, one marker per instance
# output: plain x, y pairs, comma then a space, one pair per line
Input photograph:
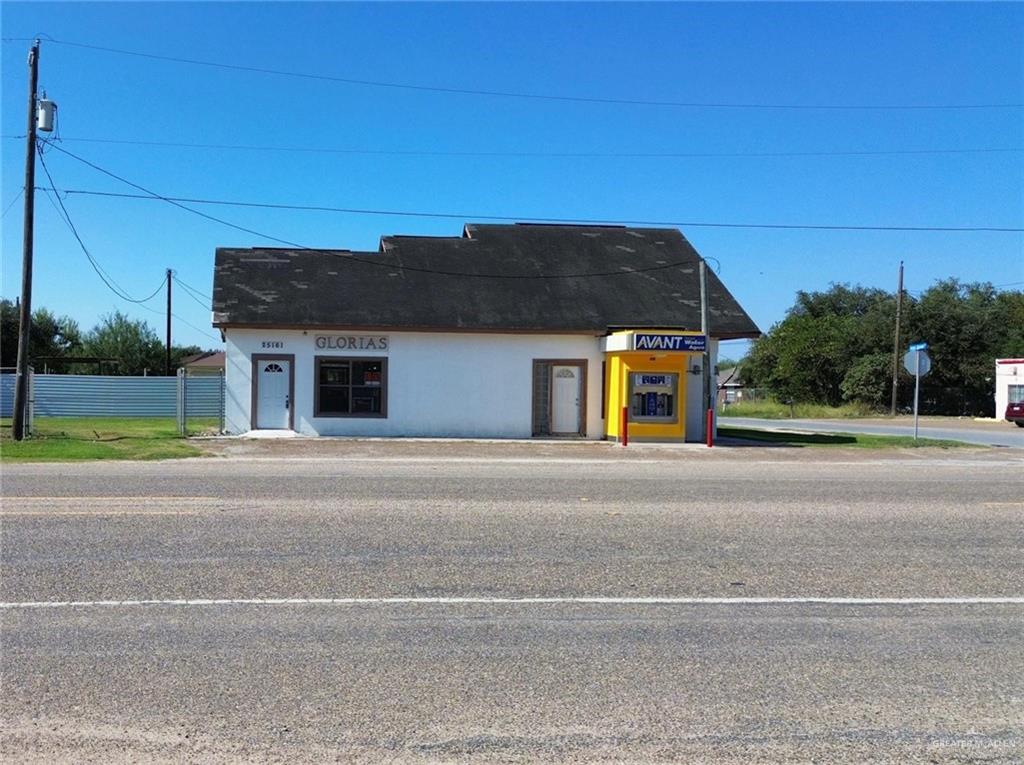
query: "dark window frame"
317, 360
584, 366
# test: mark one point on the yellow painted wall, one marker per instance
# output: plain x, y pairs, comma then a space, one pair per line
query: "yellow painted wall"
619, 365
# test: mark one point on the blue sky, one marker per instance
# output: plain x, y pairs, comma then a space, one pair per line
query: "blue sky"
799, 54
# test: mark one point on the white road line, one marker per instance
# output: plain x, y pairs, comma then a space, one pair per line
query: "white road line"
104, 513
454, 601
88, 498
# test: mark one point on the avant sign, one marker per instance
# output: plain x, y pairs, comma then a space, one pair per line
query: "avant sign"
680, 343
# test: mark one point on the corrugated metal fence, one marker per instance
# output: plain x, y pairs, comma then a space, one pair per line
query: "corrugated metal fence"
111, 396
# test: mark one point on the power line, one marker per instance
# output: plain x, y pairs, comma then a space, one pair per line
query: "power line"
531, 96
177, 202
198, 297
198, 292
352, 258
183, 321
101, 272
12, 203
105, 278
191, 291
529, 218
193, 326
540, 154
140, 304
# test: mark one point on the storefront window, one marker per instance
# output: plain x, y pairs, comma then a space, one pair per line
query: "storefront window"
1016, 394
653, 397
351, 387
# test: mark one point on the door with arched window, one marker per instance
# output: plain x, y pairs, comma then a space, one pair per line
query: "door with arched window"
272, 398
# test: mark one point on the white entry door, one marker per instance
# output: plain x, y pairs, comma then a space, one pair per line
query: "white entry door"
273, 389
565, 399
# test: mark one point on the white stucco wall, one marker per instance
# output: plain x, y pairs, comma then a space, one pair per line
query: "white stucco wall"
1008, 372
439, 384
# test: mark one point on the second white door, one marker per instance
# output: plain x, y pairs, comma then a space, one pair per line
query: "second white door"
565, 399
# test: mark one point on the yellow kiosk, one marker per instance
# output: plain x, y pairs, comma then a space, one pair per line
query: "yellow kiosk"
652, 374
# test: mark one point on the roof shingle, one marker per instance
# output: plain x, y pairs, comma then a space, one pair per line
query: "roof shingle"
493, 278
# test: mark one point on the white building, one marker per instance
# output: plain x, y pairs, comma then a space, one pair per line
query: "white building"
1009, 384
508, 332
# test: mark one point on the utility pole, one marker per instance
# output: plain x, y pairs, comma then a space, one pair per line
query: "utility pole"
167, 363
25, 315
706, 360
896, 343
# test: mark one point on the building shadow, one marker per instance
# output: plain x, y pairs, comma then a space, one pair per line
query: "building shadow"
747, 437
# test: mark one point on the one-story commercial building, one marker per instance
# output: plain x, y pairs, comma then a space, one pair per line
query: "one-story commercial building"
509, 331
1009, 387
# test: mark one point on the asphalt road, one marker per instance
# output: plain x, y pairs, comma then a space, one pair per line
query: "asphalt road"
506, 680
984, 434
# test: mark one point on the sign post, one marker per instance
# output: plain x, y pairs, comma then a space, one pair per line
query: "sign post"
918, 363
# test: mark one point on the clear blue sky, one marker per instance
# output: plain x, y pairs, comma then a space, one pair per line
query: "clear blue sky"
791, 54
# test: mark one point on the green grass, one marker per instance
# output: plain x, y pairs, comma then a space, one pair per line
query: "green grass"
857, 440
59, 439
777, 411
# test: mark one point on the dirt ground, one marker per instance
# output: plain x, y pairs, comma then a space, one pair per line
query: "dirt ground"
468, 449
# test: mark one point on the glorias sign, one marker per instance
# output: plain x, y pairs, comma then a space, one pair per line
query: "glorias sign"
352, 342
681, 343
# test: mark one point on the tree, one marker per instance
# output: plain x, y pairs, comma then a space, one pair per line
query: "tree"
51, 336
132, 343
966, 326
834, 346
806, 356
869, 380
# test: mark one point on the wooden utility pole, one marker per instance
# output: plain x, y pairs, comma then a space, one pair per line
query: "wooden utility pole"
896, 343
167, 363
25, 316
706, 360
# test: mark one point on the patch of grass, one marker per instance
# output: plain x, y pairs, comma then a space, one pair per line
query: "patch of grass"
59, 439
857, 440
775, 410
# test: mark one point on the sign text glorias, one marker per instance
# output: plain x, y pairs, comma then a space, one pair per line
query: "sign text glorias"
352, 342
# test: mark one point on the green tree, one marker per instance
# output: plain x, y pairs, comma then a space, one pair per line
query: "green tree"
51, 336
834, 346
966, 326
806, 356
133, 344
869, 380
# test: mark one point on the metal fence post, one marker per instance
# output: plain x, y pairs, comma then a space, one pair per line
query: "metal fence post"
30, 415
223, 396
180, 402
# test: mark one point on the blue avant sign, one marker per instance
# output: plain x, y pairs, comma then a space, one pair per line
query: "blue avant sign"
683, 343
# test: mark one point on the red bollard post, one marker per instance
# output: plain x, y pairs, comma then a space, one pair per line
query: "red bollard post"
624, 435
711, 428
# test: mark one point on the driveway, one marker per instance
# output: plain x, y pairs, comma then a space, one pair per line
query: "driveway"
970, 431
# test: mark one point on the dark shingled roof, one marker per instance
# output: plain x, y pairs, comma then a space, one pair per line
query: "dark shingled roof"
272, 287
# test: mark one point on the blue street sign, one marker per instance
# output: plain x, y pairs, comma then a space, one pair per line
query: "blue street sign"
919, 347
